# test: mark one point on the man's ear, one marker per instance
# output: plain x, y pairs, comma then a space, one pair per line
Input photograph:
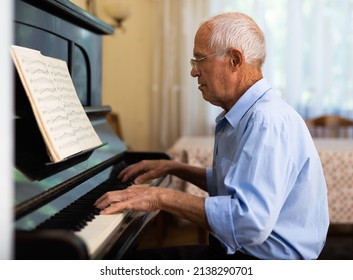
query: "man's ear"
237, 58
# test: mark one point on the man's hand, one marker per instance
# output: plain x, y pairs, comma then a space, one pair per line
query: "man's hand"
139, 198
148, 199
145, 170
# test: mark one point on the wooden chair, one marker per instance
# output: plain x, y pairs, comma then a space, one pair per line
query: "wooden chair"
330, 126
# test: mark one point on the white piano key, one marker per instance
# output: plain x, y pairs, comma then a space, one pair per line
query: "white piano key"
98, 230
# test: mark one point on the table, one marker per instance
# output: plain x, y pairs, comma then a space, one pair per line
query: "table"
336, 156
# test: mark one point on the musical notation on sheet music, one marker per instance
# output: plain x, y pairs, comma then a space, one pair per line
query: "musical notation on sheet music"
56, 105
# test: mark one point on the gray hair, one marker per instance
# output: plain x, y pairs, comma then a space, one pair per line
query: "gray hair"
237, 30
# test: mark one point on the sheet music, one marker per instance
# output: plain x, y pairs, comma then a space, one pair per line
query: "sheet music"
58, 110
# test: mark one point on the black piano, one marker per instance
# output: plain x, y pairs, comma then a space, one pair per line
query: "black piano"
54, 213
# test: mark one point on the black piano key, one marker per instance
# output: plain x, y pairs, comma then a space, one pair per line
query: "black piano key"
76, 215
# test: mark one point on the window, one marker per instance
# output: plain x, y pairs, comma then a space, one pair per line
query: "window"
309, 51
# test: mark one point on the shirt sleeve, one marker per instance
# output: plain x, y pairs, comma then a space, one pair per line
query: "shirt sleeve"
259, 177
209, 176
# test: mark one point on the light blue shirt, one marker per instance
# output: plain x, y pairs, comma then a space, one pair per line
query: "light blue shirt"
268, 195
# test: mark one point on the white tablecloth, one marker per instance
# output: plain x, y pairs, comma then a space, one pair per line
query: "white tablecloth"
336, 155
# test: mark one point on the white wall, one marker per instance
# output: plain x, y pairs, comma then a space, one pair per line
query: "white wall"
127, 70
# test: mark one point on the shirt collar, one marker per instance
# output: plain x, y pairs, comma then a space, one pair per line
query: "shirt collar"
238, 110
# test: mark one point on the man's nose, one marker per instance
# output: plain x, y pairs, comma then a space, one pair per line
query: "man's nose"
194, 72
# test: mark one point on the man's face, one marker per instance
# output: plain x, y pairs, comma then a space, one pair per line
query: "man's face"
213, 73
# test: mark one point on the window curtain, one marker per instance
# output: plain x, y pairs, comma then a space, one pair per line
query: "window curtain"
178, 108
309, 51
309, 60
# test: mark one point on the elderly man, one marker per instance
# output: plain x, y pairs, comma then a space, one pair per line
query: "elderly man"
267, 191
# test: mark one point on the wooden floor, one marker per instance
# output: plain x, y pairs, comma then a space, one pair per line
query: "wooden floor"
168, 231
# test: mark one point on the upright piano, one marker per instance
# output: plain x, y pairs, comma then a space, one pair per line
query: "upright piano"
54, 213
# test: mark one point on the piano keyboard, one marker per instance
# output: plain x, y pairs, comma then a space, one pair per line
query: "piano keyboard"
82, 217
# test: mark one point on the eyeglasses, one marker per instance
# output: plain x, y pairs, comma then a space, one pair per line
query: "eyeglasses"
194, 61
